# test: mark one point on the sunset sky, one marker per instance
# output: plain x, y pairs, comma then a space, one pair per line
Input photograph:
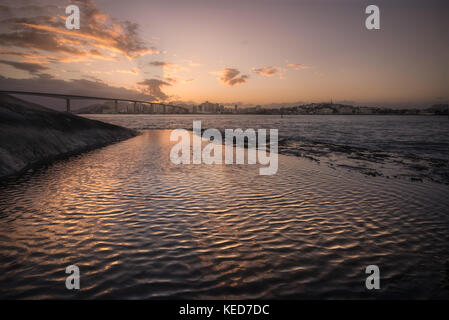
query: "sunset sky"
250, 52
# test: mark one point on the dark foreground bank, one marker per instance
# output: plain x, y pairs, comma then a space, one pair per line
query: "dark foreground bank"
31, 135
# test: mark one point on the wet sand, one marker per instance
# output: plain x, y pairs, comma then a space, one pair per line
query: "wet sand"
139, 226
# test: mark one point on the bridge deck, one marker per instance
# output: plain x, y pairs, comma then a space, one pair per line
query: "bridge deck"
69, 97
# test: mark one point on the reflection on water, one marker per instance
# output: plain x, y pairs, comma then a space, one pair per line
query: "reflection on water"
141, 227
405, 147
420, 136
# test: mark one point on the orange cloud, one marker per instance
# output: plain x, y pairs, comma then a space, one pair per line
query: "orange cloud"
267, 71
45, 30
67, 32
154, 88
133, 72
232, 77
297, 66
168, 65
104, 43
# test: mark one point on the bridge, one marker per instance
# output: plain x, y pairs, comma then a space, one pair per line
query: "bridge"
139, 105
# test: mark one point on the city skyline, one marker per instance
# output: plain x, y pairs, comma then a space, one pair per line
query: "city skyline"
228, 52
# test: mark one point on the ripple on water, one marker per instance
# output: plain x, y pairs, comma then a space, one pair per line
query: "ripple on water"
140, 227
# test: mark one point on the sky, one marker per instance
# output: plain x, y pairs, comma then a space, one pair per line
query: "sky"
246, 52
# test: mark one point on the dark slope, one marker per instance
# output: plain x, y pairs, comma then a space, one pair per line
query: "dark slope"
31, 134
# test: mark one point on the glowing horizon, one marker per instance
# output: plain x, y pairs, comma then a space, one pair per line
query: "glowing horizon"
252, 52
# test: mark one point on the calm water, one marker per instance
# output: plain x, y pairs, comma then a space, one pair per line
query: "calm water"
420, 136
141, 227
409, 147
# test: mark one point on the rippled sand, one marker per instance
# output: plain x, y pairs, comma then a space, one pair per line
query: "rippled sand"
141, 227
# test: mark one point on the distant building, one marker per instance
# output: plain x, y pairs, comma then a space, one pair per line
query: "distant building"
366, 110
346, 110
325, 110
208, 107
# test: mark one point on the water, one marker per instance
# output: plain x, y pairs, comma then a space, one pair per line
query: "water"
422, 136
141, 227
408, 147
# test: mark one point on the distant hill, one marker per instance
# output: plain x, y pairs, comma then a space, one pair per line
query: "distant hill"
344, 109
439, 109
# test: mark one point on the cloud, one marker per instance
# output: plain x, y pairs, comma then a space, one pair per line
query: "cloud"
297, 66
43, 28
168, 66
160, 64
232, 77
94, 53
132, 71
267, 71
154, 88
18, 54
32, 68
172, 80
44, 83
180, 81
45, 76
33, 39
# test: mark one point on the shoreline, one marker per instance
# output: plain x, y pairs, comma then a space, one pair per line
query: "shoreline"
55, 158
262, 114
368, 162
34, 136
